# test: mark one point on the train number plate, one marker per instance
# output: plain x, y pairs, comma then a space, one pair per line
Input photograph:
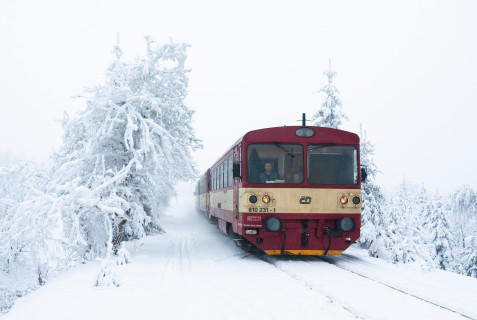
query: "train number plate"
261, 210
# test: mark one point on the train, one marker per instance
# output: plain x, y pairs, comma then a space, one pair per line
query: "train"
291, 190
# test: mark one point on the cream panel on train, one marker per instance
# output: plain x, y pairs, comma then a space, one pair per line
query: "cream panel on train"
222, 199
300, 200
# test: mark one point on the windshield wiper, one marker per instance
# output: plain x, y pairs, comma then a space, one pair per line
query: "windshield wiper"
319, 147
290, 154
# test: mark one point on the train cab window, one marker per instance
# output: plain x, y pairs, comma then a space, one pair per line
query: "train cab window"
275, 163
332, 165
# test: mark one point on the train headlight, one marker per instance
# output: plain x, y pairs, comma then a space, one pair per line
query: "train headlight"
344, 199
347, 224
305, 132
252, 198
272, 224
356, 200
266, 199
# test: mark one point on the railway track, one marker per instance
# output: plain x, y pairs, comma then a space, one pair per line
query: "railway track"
355, 267
344, 265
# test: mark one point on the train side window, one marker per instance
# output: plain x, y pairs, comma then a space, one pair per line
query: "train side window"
213, 179
230, 171
219, 178
221, 175
226, 175
216, 179
224, 170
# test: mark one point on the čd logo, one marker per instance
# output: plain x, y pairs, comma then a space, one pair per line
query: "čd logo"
305, 200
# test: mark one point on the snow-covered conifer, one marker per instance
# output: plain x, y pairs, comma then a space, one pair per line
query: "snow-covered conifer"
403, 239
468, 257
372, 213
438, 231
367, 155
463, 214
330, 114
373, 196
463, 219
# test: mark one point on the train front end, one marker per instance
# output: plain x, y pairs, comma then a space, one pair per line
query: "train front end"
300, 190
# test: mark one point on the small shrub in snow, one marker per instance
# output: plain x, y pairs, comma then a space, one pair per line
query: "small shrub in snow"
107, 276
7, 299
123, 256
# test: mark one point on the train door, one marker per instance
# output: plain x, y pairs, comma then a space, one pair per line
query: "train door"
236, 186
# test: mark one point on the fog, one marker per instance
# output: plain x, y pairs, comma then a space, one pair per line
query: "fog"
405, 71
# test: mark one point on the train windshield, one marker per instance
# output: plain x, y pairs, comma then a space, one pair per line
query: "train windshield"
275, 163
332, 165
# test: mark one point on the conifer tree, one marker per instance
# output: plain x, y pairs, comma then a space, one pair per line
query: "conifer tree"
373, 197
467, 264
330, 114
438, 229
463, 207
463, 220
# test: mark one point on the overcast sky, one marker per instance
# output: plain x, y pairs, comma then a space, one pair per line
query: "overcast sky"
406, 71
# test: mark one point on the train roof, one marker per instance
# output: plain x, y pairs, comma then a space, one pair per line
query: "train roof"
288, 134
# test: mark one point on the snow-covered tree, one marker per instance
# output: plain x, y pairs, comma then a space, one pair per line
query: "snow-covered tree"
21, 180
27, 235
130, 146
113, 177
439, 234
463, 208
374, 200
463, 219
411, 246
330, 114
367, 155
404, 239
19, 227
371, 213
467, 263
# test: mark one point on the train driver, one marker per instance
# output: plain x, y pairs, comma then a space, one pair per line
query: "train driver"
268, 174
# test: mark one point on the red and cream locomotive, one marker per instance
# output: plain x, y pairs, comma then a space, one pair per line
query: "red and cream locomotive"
287, 190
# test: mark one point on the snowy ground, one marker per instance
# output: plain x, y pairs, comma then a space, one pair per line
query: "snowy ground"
193, 271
